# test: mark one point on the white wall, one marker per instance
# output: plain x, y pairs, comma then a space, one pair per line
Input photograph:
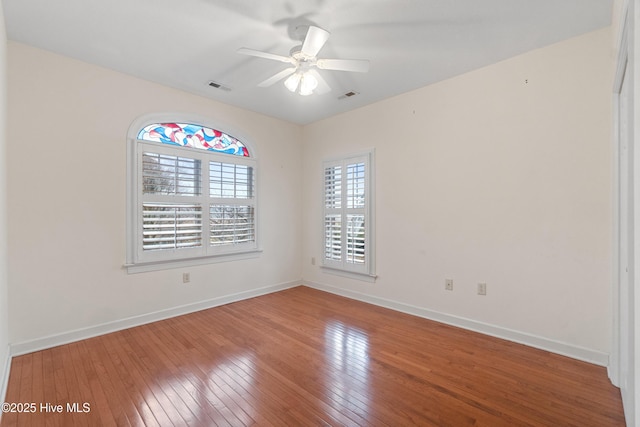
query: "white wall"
4, 305
68, 122
501, 175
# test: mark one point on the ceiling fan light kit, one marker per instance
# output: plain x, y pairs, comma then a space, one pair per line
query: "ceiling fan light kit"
302, 77
304, 83
293, 81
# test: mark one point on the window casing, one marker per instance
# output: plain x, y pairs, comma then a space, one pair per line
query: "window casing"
348, 215
189, 202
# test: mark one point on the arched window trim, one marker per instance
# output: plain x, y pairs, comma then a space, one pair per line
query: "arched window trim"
134, 261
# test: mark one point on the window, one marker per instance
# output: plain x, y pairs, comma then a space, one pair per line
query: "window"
348, 219
192, 196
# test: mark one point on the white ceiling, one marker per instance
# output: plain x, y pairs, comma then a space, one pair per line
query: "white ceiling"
187, 43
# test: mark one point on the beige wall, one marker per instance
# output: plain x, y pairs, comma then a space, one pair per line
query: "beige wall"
501, 175
68, 122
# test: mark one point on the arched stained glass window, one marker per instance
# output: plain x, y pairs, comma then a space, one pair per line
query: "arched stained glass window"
193, 196
194, 136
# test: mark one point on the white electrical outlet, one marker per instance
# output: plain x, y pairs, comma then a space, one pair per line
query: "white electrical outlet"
186, 277
482, 288
313, 260
448, 284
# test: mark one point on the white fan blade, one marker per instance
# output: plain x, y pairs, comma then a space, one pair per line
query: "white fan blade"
266, 55
357, 65
281, 75
322, 87
315, 39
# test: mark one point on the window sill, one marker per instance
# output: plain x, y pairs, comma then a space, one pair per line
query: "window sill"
142, 267
365, 277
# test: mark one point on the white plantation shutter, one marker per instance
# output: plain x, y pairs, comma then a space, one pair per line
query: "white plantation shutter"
333, 187
332, 213
228, 180
232, 225
355, 239
333, 237
355, 185
193, 203
348, 243
171, 226
170, 175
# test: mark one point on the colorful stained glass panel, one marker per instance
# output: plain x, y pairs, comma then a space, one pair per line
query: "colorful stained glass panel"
194, 136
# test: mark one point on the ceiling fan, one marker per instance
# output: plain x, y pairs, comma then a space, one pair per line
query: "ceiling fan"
302, 75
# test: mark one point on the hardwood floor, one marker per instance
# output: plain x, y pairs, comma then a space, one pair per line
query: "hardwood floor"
302, 357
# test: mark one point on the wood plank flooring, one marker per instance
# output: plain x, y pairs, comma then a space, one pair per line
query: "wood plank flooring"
302, 357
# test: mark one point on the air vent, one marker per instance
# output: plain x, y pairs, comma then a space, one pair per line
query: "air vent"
219, 86
348, 95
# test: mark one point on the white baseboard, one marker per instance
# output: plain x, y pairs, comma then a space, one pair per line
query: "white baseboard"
564, 349
4, 375
580, 353
118, 325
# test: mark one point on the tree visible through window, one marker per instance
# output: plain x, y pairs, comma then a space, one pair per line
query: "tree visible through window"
195, 193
